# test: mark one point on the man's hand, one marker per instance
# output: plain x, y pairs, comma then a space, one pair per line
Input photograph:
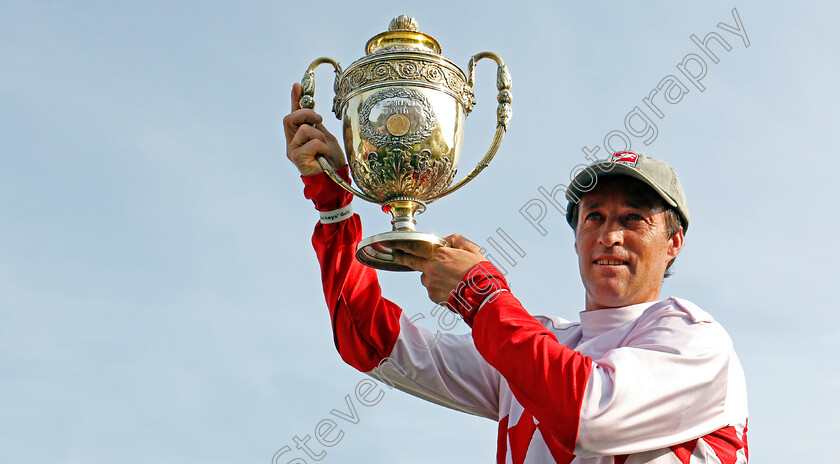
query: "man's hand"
445, 268
307, 138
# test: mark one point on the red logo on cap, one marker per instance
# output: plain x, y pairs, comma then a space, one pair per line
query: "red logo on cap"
626, 157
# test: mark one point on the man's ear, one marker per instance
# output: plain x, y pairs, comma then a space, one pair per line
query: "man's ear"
675, 244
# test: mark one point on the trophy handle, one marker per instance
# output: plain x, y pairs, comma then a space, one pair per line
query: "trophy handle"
503, 115
307, 100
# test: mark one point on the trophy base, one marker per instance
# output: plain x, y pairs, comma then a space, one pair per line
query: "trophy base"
377, 251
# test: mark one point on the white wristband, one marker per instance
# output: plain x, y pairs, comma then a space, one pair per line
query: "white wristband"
336, 215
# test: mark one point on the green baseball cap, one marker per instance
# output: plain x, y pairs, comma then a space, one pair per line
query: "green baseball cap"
659, 175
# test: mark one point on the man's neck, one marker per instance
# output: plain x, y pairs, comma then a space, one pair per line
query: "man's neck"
593, 304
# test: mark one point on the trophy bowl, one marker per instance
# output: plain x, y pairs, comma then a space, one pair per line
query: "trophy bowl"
403, 107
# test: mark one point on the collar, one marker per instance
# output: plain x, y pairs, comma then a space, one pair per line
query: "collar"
599, 321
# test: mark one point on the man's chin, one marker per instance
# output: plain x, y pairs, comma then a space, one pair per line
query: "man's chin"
609, 296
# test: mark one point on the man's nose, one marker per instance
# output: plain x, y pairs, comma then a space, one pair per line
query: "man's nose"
611, 234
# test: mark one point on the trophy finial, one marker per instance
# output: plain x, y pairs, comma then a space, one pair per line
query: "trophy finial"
403, 34
403, 23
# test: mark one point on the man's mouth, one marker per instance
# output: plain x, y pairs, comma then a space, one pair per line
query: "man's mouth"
610, 262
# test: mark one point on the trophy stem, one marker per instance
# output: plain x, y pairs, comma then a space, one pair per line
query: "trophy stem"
378, 251
403, 211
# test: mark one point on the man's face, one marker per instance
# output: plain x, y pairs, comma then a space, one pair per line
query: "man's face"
622, 244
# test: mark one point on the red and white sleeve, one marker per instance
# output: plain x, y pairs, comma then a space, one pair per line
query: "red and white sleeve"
365, 325
373, 334
547, 378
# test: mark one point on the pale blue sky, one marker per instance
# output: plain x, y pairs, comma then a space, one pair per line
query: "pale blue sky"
159, 298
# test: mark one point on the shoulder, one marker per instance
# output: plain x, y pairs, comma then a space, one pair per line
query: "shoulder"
677, 307
684, 321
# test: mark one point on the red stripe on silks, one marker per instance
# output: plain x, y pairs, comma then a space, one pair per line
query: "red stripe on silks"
683, 451
620, 459
558, 452
546, 377
725, 443
744, 439
520, 437
501, 445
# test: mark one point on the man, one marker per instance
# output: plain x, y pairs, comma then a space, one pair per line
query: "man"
638, 380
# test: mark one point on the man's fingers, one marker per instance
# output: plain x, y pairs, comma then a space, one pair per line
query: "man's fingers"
301, 117
458, 241
307, 152
292, 122
304, 135
421, 249
297, 90
409, 260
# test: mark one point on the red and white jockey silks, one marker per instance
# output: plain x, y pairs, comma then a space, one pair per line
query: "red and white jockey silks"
655, 382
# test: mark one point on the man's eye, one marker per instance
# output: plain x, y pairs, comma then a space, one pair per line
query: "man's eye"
594, 216
634, 217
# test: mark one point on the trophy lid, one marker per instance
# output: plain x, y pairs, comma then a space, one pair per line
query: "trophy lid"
403, 33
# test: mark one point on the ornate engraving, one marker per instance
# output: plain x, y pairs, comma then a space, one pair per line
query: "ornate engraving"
399, 48
400, 68
376, 113
403, 173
